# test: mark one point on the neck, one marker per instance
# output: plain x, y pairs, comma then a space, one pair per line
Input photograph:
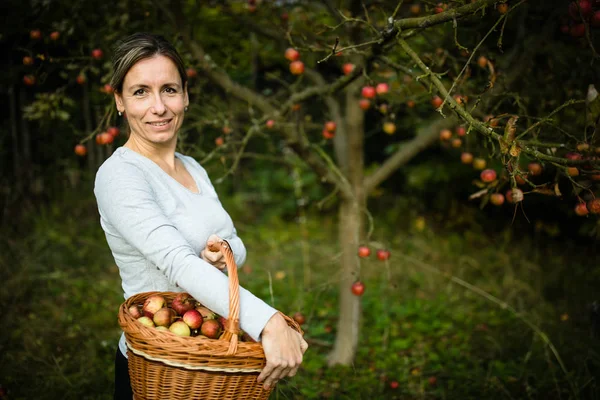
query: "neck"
162, 154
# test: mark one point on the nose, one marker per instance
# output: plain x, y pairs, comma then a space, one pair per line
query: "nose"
159, 106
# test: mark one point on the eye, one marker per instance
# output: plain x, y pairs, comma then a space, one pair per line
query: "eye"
138, 92
170, 90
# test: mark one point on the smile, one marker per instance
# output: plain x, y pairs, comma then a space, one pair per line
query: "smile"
159, 123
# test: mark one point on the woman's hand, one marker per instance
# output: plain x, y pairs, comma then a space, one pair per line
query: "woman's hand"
284, 348
216, 258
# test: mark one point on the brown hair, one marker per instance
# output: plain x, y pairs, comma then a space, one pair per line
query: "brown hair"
140, 46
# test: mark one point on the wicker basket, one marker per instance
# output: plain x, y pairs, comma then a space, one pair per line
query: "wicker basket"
164, 366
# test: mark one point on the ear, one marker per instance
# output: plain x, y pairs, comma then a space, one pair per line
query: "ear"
186, 99
119, 102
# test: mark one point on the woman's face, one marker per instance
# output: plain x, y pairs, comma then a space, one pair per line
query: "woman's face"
154, 100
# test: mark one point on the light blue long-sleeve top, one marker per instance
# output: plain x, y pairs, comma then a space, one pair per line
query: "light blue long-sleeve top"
156, 229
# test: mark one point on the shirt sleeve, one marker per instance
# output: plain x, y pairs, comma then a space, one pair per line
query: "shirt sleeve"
126, 201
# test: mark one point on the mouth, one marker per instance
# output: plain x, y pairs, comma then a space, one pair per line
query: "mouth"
160, 123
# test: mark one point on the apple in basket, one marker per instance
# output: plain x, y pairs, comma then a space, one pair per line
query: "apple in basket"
153, 304
162, 328
164, 317
146, 321
193, 319
205, 312
211, 329
183, 302
180, 328
135, 312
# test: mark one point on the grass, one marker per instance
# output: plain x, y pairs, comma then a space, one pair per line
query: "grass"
451, 315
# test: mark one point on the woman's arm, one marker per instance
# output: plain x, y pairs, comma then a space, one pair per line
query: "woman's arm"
128, 205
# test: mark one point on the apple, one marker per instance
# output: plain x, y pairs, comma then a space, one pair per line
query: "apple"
211, 329
445, 134
415, 9
285, 17
585, 7
330, 126
382, 88
389, 127
594, 206
107, 89
572, 171
296, 107
358, 288
104, 138
577, 30
432, 380
502, 8
565, 28
581, 209
573, 156
497, 199
35, 34
595, 19
80, 79
364, 251
162, 328
460, 99
461, 131
494, 122
488, 175
147, 321
55, 35
583, 147
368, 92
205, 312
327, 134
466, 158
394, 384
292, 54
164, 317
134, 310
384, 108
270, 124
456, 143
347, 68
29, 80
219, 141
436, 101
441, 7
113, 131
514, 195
183, 302
521, 179
411, 104
97, 54
364, 104
193, 319
534, 168
27, 60
180, 328
299, 318
153, 304
297, 67
479, 163
81, 151
482, 61
191, 73
383, 254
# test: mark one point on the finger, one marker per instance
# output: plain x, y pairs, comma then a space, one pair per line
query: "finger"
275, 376
266, 371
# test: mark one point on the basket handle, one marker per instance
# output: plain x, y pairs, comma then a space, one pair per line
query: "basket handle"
233, 321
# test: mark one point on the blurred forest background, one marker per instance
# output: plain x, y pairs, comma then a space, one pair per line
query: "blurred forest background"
378, 150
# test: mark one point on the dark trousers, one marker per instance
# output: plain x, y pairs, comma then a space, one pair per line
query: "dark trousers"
122, 384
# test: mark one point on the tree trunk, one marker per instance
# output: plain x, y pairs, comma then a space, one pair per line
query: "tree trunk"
351, 216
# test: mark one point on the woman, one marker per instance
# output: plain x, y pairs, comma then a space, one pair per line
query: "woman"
159, 209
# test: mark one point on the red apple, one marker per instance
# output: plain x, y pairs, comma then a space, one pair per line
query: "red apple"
595, 20
153, 304
219, 141
297, 67
411, 104
577, 30
581, 209
394, 384
147, 321
445, 134
193, 319
330, 126
436, 101
502, 8
81, 151
27, 60
432, 380
205, 312
164, 317
497, 199
482, 61
29, 80
534, 168
368, 92
292, 54
347, 68
573, 156
488, 175
107, 89
382, 88
466, 158
383, 254
299, 318
327, 134
514, 195
572, 171
593, 206
585, 7
180, 328
35, 34
191, 73
364, 104
270, 124
415, 9
211, 329
104, 138
183, 302
97, 54
55, 35
358, 288
80, 79
461, 131
113, 131
456, 143
364, 251
134, 310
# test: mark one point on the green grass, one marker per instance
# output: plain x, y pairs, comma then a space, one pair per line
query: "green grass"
423, 326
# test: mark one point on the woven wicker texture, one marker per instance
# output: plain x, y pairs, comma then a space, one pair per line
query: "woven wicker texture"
165, 366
